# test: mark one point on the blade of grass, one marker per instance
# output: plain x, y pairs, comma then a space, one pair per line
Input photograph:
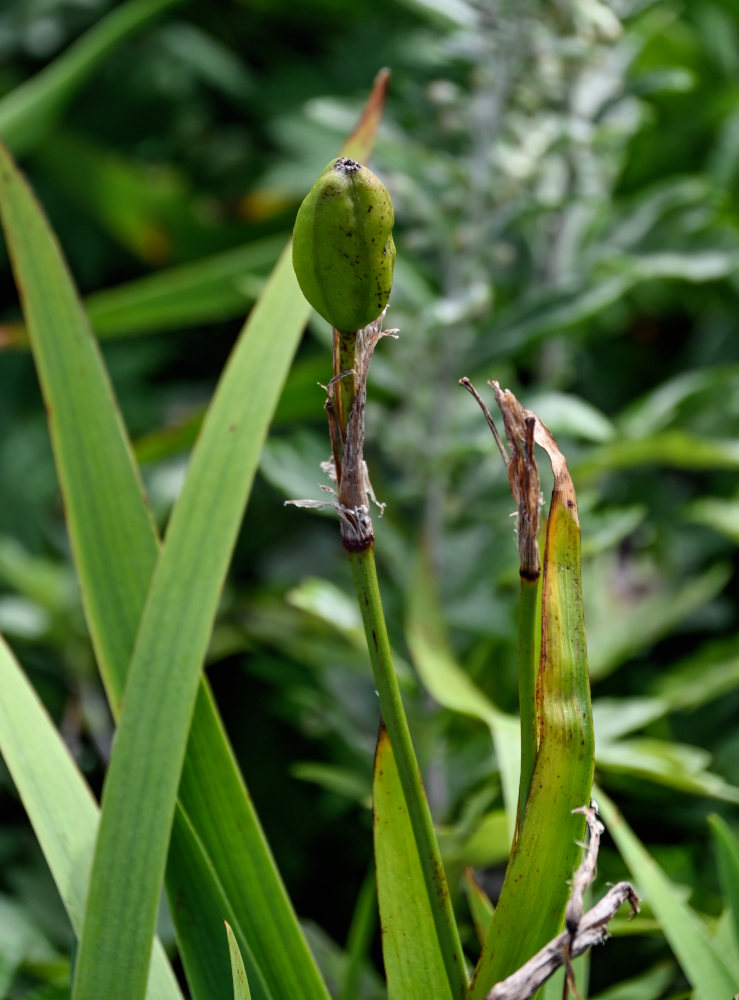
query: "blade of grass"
727, 849
214, 288
414, 963
686, 934
481, 908
240, 982
359, 938
27, 112
530, 910
198, 909
671, 448
59, 804
724, 941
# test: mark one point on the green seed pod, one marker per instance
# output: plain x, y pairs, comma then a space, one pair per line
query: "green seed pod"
343, 250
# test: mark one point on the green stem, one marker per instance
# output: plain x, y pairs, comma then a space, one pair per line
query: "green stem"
529, 643
345, 351
365, 580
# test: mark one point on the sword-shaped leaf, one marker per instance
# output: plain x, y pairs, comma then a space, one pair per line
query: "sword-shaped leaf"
59, 803
414, 965
532, 903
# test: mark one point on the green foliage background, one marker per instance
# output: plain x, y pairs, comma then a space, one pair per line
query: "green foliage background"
565, 187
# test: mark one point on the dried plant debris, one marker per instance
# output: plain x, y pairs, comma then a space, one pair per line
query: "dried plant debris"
523, 475
346, 467
582, 930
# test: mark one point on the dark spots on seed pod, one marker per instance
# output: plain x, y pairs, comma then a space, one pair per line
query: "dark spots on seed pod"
337, 274
346, 166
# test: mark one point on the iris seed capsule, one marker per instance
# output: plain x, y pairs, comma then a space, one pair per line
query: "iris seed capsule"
343, 250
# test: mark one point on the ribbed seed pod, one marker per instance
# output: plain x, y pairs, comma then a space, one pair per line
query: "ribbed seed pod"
343, 250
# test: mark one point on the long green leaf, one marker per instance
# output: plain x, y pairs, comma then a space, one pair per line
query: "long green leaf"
222, 815
686, 934
61, 807
27, 113
414, 965
666, 762
213, 288
115, 547
110, 527
171, 643
672, 448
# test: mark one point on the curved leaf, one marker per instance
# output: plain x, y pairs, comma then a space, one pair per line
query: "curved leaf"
414, 965
530, 910
60, 806
170, 648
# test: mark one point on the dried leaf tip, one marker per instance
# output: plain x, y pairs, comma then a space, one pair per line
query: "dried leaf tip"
523, 475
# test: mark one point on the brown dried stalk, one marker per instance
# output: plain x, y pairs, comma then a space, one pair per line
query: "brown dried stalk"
581, 932
520, 464
347, 467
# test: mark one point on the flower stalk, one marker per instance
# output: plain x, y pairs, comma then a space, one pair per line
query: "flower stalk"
343, 256
352, 485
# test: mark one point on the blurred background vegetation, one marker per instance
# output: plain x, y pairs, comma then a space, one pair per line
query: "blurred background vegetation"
566, 182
